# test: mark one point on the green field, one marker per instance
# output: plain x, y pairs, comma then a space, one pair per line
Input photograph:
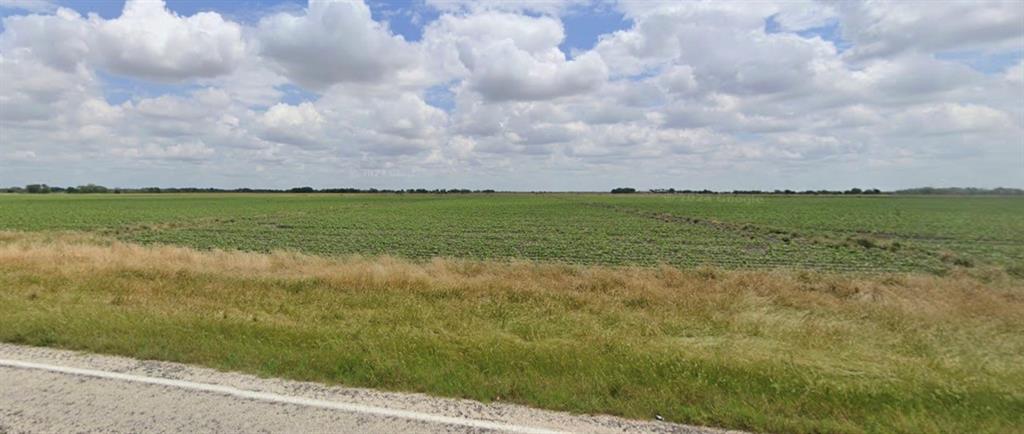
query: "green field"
835, 233
849, 314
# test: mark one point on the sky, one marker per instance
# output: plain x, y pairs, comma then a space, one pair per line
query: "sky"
512, 95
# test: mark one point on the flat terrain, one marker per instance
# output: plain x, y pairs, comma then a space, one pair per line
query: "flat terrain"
47, 397
838, 233
842, 314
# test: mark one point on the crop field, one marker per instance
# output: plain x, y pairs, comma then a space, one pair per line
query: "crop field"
833, 233
765, 313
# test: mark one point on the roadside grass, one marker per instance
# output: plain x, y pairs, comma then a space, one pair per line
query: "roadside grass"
782, 351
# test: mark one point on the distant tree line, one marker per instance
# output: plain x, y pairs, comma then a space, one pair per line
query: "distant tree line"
706, 191
867, 191
833, 192
93, 188
963, 191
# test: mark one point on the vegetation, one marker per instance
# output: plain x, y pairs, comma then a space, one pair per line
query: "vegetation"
833, 233
88, 188
1000, 191
791, 351
793, 313
37, 188
92, 188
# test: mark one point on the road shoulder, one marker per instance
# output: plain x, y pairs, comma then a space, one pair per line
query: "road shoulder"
48, 390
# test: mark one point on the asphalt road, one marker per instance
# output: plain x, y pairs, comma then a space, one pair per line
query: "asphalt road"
47, 390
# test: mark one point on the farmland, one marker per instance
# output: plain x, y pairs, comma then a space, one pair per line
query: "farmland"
765, 313
822, 233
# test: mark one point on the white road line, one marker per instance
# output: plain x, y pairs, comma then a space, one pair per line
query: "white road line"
273, 397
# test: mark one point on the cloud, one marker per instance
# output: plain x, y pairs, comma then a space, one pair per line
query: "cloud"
42, 92
147, 41
795, 16
195, 151
949, 118
882, 29
691, 91
253, 82
334, 42
678, 79
60, 41
151, 42
722, 45
21, 155
392, 123
523, 77
37, 6
508, 57
299, 125
1015, 73
546, 7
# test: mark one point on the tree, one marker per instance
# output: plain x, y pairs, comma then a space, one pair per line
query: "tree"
90, 188
623, 190
37, 188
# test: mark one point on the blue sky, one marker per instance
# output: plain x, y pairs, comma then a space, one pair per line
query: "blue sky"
406, 18
241, 10
583, 27
829, 32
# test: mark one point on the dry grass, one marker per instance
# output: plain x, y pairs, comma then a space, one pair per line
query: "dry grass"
763, 350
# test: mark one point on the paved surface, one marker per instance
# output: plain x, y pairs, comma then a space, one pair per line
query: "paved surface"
47, 390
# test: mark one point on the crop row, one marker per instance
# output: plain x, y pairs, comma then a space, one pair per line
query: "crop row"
887, 233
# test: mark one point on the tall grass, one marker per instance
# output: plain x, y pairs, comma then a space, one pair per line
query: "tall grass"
792, 351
